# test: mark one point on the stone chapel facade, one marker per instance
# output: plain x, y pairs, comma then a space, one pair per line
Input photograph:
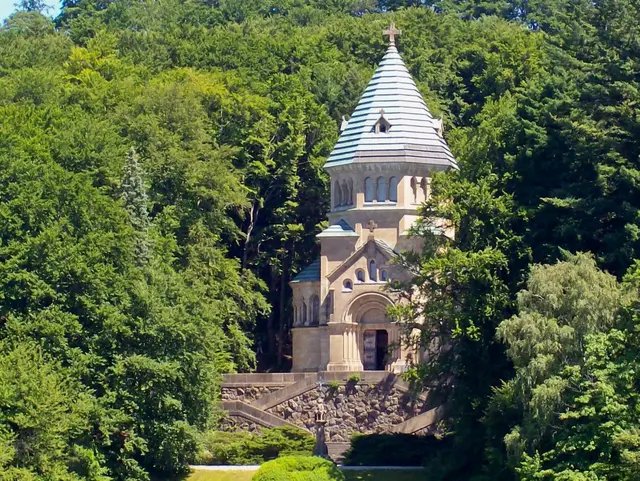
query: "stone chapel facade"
380, 172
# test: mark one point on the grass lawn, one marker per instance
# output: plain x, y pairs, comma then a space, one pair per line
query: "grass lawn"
220, 476
350, 475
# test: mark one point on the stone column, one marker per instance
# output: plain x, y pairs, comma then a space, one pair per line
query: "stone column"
343, 349
354, 357
398, 363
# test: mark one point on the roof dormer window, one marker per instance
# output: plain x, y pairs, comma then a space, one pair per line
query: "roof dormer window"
382, 125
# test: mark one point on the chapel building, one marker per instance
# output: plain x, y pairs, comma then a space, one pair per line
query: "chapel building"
380, 172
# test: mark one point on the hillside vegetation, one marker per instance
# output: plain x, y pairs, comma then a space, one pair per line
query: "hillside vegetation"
161, 181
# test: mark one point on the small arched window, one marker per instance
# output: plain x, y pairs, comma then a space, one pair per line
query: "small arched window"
315, 315
336, 194
423, 186
328, 305
347, 286
368, 189
393, 189
381, 191
350, 196
373, 275
360, 275
414, 188
304, 314
345, 193
383, 275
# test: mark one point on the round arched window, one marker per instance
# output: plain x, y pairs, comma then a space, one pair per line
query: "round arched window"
383, 276
393, 189
360, 275
347, 286
368, 190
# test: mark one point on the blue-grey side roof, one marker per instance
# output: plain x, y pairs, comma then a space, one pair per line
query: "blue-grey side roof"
310, 273
339, 229
414, 133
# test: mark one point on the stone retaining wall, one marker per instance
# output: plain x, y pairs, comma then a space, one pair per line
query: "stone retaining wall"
248, 394
238, 423
351, 408
379, 402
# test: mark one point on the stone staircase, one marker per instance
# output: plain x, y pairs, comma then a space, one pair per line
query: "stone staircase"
254, 415
378, 402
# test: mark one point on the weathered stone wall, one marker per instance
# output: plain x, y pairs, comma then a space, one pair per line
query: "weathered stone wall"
351, 408
248, 394
379, 402
238, 423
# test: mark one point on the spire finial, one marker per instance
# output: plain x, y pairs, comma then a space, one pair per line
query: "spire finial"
392, 32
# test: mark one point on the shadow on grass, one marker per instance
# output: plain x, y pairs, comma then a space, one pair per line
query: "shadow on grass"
385, 475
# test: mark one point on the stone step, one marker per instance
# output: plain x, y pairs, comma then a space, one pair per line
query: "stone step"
336, 451
421, 421
289, 392
256, 415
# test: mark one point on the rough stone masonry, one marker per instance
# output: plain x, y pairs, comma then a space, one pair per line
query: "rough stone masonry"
378, 402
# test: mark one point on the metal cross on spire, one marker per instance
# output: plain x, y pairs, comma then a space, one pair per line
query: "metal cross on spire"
392, 32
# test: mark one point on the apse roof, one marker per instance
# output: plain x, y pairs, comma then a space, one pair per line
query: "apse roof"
414, 133
310, 273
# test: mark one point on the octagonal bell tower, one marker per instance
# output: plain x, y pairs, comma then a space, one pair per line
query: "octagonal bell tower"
380, 172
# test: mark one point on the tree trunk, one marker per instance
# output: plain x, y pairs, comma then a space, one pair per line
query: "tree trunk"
271, 331
282, 316
253, 218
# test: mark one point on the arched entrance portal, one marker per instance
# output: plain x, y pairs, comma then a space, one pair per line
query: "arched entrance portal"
365, 338
376, 349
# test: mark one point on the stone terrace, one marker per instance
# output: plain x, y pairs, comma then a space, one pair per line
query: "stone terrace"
380, 402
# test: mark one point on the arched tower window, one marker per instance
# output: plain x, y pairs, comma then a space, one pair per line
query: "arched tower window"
423, 186
373, 275
350, 197
315, 315
414, 188
393, 189
345, 193
304, 313
381, 190
347, 286
368, 189
383, 275
336, 194
360, 275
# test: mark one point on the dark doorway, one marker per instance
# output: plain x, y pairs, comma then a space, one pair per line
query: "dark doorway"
382, 346
376, 345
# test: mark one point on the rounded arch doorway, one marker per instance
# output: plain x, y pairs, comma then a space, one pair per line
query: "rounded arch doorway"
369, 311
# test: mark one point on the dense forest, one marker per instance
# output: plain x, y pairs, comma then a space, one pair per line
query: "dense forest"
161, 181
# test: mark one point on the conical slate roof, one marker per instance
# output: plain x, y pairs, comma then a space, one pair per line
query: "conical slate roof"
413, 135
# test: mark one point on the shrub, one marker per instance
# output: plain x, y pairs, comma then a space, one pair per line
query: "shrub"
334, 385
298, 468
354, 378
393, 449
239, 447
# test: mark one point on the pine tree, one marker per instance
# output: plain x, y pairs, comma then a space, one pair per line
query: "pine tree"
135, 200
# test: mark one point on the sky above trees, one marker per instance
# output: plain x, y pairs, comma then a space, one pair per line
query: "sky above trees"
7, 7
